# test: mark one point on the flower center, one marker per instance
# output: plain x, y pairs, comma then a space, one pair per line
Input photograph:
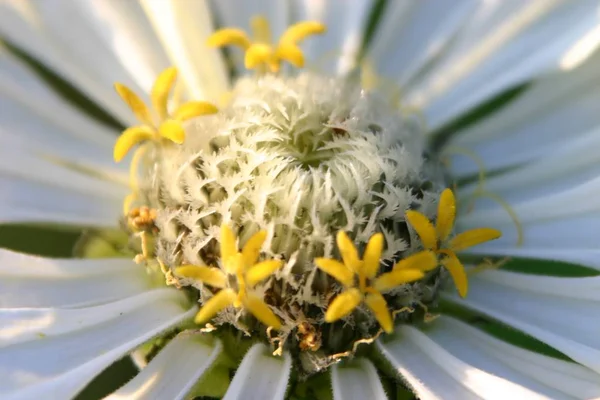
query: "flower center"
302, 207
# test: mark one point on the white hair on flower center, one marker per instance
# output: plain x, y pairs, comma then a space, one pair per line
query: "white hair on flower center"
300, 157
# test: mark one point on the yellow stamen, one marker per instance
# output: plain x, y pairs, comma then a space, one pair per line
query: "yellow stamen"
378, 305
229, 36
336, 269
396, 278
160, 91
436, 239
262, 271
172, 130
343, 305
457, 272
446, 214
372, 255
261, 52
248, 273
301, 30
473, 237
139, 108
348, 252
214, 305
193, 109
163, 126
129, 138
424, 228
407, 270
261, 29
261, 311
422, 261
211, 276
251, 250
228, 248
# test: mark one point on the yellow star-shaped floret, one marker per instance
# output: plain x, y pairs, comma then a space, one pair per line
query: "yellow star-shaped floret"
436, 238
358, 277
160, 124
262, 52
247, 272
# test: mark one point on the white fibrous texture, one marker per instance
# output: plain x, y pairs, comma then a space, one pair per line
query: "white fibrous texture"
300, 157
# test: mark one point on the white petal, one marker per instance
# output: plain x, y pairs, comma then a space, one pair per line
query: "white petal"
30, 281
43, 33
563, 222
514, 50
545, 375
124, 29
356, 380
260, 376
27, 201
561, 168
64, 364
160, 380
558, 311
434, 373
411, 34
183, 27
556, 111
337, 49
27, 324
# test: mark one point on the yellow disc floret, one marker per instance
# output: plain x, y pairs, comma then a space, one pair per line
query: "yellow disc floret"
359, 278
160, 124
437, 238
261, 53
246, 270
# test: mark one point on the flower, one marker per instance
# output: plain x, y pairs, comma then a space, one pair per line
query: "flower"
355, 153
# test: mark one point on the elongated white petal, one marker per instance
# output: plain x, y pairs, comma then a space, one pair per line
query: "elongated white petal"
159, 380
337, 49
122, 27
514, 51
27, 324
260, 376
557, 311
562, 168
435, 373
357, 380
411, 34
63, 364
556, 111
31, 281
26, 201
183, 28
39, 28
545, 375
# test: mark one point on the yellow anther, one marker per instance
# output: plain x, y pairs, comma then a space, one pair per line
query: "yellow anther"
262, 53
436, 238
247, 272
160, 124
369, 287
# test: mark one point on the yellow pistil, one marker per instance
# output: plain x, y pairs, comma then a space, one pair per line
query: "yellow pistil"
246, 269
358, 277
261, 53
437, 238
159, 125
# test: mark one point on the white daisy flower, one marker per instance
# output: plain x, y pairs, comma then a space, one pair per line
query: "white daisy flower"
309, 211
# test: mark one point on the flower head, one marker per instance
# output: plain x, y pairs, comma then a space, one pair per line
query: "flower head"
289, 245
